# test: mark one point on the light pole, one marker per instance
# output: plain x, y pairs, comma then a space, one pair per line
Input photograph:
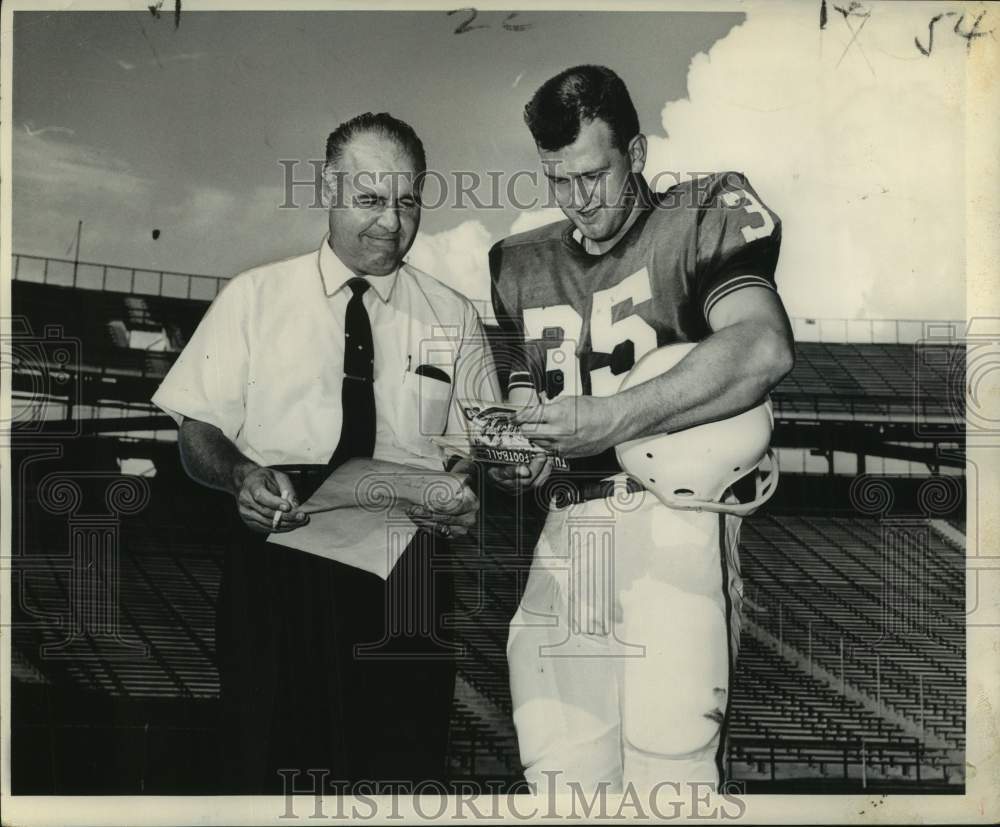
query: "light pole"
76, 255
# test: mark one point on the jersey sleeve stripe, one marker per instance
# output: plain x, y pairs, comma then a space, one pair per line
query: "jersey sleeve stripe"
731, 286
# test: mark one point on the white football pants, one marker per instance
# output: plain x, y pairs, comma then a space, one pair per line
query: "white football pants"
622, 647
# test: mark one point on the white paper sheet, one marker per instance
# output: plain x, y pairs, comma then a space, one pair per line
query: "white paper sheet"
372, 539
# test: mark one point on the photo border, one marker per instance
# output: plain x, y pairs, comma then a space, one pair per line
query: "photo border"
981, 801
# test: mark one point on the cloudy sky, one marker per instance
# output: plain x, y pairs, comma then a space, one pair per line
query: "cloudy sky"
848, 130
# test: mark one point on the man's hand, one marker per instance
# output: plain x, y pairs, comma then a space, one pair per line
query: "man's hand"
448, 507
573, 426
512, 479
259, 499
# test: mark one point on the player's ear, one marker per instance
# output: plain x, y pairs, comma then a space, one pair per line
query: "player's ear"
637, 153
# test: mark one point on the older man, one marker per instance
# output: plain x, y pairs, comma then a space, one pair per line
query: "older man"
310, 369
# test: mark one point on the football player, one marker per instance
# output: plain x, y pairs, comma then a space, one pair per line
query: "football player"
622, 648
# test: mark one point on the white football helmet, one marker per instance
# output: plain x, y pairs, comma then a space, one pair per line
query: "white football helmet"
693, 469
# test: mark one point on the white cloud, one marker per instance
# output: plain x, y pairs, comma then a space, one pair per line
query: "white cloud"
32, 132
158, 61
56, 163
859, 148
531, 219
54, 184
183, 57
457, 257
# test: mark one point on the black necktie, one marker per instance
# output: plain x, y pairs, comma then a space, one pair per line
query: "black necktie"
357, 395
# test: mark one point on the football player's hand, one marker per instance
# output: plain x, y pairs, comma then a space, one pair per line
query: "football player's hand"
573, 426
515, 478
448, 506
259, 499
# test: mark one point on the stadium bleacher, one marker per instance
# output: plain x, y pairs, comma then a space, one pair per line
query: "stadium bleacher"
834, 585
871, 381
169, 578
852, 661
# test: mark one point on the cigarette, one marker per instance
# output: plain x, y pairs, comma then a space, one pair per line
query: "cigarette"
277, 514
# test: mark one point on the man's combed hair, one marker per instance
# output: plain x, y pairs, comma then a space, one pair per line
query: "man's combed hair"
576, 96
382, 124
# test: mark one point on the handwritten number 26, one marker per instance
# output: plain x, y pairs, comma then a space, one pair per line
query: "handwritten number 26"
466, 25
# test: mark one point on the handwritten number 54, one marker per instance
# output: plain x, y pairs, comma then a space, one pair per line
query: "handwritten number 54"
970, 34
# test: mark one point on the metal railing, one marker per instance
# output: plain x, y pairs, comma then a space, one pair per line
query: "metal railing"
90, 275
875, 331
922, 408
861, 760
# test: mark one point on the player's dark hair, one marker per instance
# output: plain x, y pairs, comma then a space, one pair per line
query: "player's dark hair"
581, 94
385, 126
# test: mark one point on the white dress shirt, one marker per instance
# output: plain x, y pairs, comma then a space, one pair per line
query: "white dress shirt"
266, 363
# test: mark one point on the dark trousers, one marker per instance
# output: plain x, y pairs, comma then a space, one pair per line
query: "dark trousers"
328, 668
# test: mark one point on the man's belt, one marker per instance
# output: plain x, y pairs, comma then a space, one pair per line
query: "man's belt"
566, 491
561, 491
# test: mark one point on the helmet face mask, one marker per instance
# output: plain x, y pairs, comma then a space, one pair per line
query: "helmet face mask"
694, 469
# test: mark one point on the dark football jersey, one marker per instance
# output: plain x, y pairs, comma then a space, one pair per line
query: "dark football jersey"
579, 321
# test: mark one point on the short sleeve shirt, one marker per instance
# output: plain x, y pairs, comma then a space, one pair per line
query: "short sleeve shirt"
266, 363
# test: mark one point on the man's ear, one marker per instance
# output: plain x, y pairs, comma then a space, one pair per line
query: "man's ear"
331, 185
637, 153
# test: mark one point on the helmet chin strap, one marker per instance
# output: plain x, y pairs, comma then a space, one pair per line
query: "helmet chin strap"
766, 484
